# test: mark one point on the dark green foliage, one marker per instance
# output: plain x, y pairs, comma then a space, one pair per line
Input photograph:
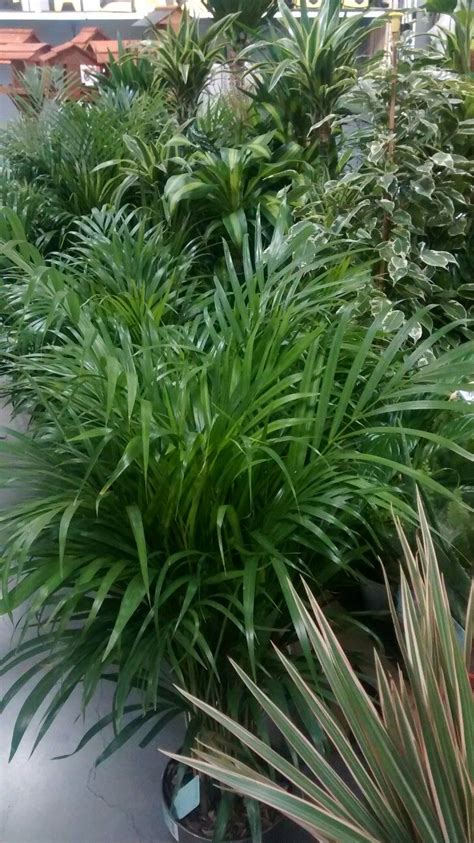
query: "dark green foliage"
441, 7
459, 42
239, 325
58, 153
62, 153
200, 460
225, 120
250, 13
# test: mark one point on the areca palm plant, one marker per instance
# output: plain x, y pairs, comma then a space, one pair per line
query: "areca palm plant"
33, 207
126, 268
58, 152
134, 72
75, 155
411, 768
40, 87
197, 467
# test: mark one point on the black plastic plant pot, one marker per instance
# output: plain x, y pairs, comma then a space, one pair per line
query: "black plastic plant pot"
181, 834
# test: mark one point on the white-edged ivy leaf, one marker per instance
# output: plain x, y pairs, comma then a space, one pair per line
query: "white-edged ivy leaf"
455, 309
402, 218
387, 205
424, 186
393, 321
443, 159
433, 257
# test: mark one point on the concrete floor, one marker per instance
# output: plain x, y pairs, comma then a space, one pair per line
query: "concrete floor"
71, 801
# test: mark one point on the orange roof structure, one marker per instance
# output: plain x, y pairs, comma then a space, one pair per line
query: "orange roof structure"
12, 52
164, 14
89, 48
67, 50
161, 17
16, 35
88, 34
102, 50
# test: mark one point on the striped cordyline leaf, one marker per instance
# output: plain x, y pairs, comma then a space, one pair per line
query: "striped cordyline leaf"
411, 768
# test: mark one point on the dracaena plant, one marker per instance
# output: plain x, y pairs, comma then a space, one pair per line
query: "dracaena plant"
226, 189
410, 760
248, 15
185, 59
457, 40
139, 176
305, 70
460, 42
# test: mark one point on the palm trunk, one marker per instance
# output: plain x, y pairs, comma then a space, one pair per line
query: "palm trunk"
328, 148
387, 222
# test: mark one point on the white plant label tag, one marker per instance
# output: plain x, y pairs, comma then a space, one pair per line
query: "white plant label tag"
171, 825
187, 798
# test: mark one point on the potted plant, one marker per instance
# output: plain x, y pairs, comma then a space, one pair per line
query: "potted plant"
411, 761
196, 809
199, 465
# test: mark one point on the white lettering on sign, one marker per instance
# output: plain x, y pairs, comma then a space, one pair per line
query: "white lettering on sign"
139, 7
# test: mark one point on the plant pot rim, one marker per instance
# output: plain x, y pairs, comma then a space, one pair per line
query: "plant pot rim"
172, 823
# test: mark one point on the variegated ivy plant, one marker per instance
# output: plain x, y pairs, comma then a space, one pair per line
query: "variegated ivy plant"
405, 197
